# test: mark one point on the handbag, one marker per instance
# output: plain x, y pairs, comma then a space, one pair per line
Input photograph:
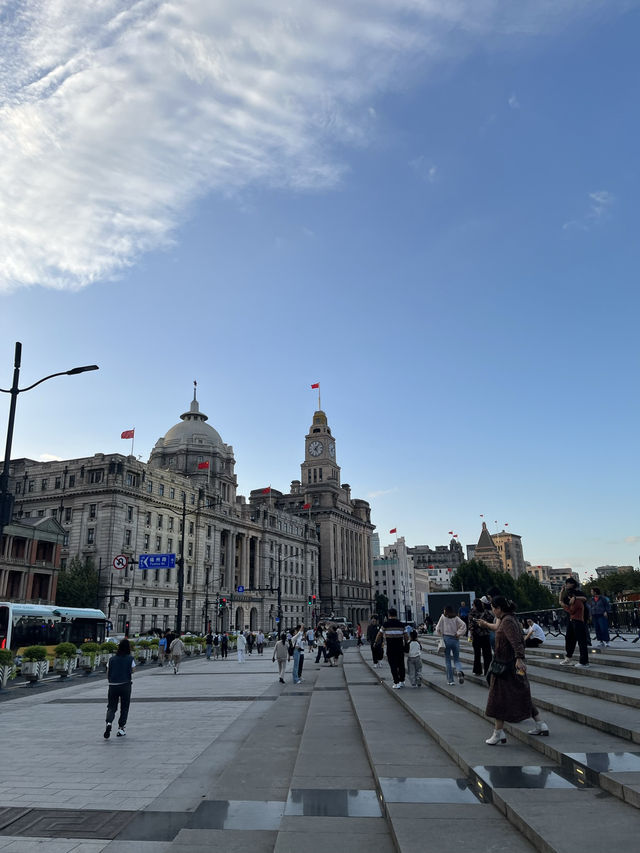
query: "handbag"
440, 646
499, 668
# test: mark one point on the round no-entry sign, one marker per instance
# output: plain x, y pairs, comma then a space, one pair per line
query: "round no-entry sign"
120, 562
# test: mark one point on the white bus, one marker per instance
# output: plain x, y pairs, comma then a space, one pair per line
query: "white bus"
47, 625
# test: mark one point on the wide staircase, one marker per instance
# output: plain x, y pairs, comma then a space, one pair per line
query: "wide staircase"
575, 791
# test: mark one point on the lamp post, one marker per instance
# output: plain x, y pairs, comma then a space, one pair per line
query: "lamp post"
6, 499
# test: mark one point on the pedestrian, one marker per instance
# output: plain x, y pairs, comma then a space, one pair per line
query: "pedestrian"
414, 661
250, 642
451, 627
224, 645
162, 650
281, 654
463, 612
359, 634
216, 646
241, 645
509, 692
119, 671
260, 641
394, 634
572, 600
298, 641
333, 646
533, 635
208, 645
176, 650
321, 644
480, 638
377, 651
600, 607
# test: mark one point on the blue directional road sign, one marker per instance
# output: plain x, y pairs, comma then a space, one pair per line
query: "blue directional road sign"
157, 561
240, 589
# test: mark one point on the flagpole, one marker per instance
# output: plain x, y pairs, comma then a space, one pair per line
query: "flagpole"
319, 402
132, 439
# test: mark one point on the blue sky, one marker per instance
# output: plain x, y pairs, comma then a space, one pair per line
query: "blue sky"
429, 207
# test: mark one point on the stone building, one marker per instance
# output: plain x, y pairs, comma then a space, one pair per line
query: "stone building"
509, 547
487, 552
343, 526
393, 576
112, 504
30, 559
439, 563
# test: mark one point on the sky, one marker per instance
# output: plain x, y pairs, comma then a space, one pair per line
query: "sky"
428, 206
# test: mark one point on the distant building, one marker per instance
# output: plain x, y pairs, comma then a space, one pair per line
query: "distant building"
487, 551
540, 573
509, 547
440, 563
423, 588
30, 560
393, 577
604, 571
375, 545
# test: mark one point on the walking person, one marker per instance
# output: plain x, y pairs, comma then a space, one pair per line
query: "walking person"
216, 646
298, 641
176, 650
451, 627
509, 692
600, 607
414, 661
241, 645
224, 645
119, 671
208, 645
480, 638
260, 641
377, 651
250, 642
281, 654
321, 645
333, 646
162, 650
573, 600
394, 634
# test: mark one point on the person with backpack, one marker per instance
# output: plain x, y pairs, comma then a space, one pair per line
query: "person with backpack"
119, 671
600, 607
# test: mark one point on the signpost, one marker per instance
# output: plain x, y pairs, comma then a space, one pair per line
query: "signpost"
240, 589
120, 562
156, 561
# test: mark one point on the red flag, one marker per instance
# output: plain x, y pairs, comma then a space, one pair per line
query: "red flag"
306, 506
451, 533
203, 465
128, 433
395, 530
266, 491
506, 524
316, 385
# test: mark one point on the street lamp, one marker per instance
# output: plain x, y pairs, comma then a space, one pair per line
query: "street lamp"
6, 499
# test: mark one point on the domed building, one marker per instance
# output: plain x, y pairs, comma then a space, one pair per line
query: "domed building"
194, 448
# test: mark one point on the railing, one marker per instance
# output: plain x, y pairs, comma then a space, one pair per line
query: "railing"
624, 618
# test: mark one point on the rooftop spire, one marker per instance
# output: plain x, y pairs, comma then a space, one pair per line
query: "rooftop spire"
195, 388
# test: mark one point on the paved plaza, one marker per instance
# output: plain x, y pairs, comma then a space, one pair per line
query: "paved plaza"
223, 757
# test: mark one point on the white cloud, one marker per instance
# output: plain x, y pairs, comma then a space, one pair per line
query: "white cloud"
116, 116
598, 211
514, 103
426, 171
380, 492
49, 457
631, 540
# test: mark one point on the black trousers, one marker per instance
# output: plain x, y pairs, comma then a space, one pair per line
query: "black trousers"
577, 633
396, 662
121, 692
481, 649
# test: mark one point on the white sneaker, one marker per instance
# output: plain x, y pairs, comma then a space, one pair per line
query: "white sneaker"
401, 684
395, 686
121, 732
496, 737
581, 665
566, 662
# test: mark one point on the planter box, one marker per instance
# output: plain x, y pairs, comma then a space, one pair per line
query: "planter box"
143, 655
34, 670
6, 672
88, 662
65, 666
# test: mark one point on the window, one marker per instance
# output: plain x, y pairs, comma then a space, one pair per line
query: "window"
68, 513
40, 513
127, 537
189, 579
170, 522
154, 621
172, 493
191, 528
142, 623
193, 499
190, 549
167, 602
96, 476
146, 541
65, 540
31, 484
170, 546
44, 484
92, 510
208, 531
158, 544
160, 520
144, 602
129, 513
132, 479
72, 481
148, 521
207, 552
58, 482
150, 487
91, 533
161, 490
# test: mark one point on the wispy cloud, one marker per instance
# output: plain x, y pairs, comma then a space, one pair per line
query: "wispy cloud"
514, 103
631, 540
598, 211
380, 492
424, 169
115, 117
49, 457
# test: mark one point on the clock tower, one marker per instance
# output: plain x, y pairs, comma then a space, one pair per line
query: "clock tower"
320, 466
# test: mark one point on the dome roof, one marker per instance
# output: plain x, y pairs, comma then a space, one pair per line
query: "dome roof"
192, 430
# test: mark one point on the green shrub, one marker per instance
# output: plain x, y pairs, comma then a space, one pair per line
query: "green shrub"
108, 647
154, 642
6, 657
32, 653
89, 648
65, 650
143, 644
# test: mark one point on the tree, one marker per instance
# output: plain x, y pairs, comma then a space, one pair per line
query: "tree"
613, 585
77, 584
473, 576
382, 605
527, 591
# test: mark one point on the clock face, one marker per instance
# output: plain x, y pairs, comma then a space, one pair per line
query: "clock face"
315, 448
332, 449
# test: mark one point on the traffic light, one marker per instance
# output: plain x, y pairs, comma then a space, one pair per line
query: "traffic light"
309, 601
126, 594
222, 603
126, 629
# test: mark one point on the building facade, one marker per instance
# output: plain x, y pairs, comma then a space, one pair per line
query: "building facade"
244, 566
439, 563
487, 552
509, 547
30, 555
393, 577
343, 526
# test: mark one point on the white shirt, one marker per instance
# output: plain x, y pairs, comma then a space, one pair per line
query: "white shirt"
535, 631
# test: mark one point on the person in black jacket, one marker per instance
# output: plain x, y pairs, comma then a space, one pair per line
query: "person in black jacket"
376, 650
119, 672
394, 633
